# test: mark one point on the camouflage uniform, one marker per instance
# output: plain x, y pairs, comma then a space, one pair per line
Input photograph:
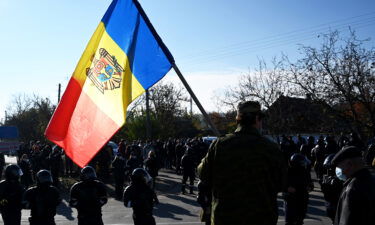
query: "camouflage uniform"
245, 171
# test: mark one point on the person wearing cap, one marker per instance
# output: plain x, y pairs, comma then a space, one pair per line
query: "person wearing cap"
357, 201
244, 172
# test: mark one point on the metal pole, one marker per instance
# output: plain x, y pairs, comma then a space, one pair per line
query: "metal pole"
59, 93
208, 120
148, 121
191, 106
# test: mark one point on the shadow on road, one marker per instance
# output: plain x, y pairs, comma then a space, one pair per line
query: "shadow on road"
183, 199
167, 210
65, 210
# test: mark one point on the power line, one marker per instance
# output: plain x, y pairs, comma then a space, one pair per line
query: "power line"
282, 34
277, 42
289, 36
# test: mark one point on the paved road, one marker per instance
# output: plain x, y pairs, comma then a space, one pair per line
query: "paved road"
174, 208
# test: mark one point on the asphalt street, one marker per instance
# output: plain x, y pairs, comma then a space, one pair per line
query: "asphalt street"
174, 208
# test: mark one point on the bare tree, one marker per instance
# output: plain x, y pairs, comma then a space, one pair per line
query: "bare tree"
31, 115
265, 85
340, 75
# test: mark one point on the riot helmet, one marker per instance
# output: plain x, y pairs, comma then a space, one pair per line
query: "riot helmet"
44, 177
140, 175
88, 173
311, 140
298, 160
13, 172
328, 161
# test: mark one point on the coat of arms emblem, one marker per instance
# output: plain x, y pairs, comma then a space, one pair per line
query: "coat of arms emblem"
105, 72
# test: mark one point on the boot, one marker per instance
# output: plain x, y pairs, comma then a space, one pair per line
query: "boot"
183, 189
191, 190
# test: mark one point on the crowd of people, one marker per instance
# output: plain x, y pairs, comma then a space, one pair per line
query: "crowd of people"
240, 175
304, 155
40, 168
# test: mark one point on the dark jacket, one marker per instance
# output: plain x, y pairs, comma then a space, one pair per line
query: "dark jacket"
244, 171
88, 197
11, 193
141, 198
357, 201
42, 200
152, 166
187, 163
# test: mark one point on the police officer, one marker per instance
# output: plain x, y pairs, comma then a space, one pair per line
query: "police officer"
331, 187
188, 166
140, 196
2, 164
55, 161
244, 172
118, 165
152, 167
88, 196
319, 154
357, 200
299, 184
306, 148
42, 200
11, 192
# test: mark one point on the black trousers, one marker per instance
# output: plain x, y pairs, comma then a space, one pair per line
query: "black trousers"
295, 208
11, 217
143, 219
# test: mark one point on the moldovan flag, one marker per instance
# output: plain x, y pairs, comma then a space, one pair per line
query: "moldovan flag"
123, 58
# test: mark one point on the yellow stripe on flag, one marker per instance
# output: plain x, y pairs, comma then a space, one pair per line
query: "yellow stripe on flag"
112, 102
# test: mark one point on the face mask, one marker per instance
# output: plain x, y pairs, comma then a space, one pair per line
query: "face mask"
340, 175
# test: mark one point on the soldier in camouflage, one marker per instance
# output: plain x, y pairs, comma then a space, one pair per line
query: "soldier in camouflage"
244, 171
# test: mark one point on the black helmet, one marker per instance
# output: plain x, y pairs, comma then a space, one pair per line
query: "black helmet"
189, 151
328, 161
311, 139
88, 173
140, 175
13, 172
298, 160
56, 148
44, 177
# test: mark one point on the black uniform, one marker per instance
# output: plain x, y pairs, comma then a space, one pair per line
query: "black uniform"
331, 187
11, 192
118, 165
42, 200
141, 198
319, 154
55, 160
296, 202
152, 167
88, 197
2, 164
188, 165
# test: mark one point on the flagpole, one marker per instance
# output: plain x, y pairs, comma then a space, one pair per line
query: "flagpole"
208, 120
171, 60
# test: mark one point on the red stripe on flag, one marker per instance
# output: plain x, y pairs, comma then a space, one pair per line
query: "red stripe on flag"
59, 123
86, 131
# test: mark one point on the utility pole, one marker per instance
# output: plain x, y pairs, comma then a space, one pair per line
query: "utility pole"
59, 93
148, 121
191, 106
192, 95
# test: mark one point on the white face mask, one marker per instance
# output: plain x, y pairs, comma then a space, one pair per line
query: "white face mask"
340, 174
